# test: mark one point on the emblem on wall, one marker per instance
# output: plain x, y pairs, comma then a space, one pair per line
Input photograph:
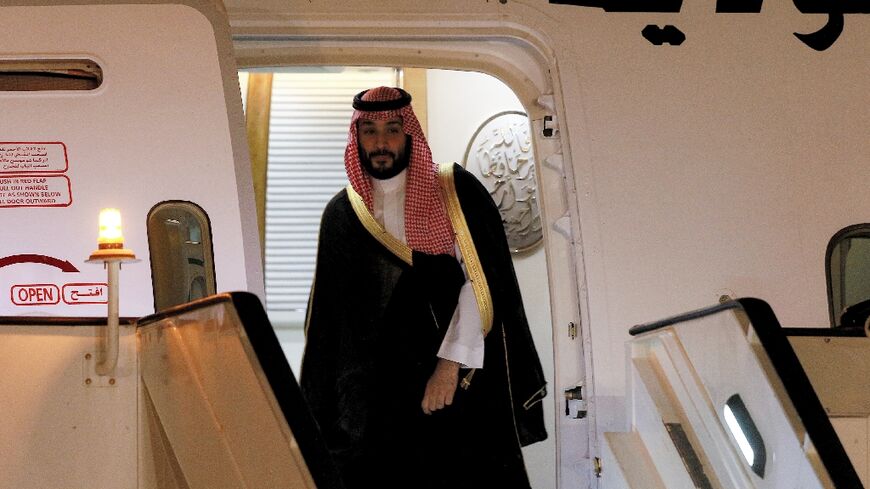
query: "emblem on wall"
501, 156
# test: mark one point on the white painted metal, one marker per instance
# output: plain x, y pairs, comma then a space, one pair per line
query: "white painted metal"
214, 404
163, 125
684, 374
186, 407
629, 463
109, 354
690, 170
722, 164
61, 426
651, 408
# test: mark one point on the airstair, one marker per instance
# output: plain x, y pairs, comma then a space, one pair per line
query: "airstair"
726, 398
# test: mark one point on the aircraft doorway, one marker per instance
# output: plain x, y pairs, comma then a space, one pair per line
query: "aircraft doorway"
307, 110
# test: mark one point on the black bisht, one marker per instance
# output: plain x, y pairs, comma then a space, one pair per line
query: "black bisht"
373, 329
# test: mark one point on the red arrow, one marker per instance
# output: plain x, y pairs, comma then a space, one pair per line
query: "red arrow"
51, 261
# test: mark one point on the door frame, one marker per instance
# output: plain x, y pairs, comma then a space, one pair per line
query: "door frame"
523, 59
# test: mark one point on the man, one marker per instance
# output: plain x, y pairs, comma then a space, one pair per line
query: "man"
419, 365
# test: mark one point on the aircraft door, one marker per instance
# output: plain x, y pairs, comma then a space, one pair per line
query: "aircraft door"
121, 106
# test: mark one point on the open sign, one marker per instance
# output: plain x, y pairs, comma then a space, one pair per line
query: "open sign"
35, 294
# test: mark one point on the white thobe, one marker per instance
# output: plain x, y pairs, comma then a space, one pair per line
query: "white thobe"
463, 341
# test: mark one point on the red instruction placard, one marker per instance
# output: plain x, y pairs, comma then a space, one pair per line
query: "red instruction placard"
35, 191
23, 157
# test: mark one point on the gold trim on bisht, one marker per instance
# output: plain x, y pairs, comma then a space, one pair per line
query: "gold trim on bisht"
466, 246
377, 231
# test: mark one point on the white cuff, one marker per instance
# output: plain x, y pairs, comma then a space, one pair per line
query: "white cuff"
463, 342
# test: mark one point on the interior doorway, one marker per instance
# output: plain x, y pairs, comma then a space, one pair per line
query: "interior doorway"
458, 111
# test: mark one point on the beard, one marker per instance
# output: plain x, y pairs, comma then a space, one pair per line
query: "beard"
400, 161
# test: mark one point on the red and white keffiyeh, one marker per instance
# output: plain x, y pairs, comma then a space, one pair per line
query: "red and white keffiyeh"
427, 226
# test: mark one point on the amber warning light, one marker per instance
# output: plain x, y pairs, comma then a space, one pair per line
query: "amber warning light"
110, 229
110, 242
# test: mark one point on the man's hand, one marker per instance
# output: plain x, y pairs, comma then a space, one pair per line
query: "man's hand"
441, 386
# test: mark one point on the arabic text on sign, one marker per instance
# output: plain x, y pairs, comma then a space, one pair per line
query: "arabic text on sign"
33, 158
85, 293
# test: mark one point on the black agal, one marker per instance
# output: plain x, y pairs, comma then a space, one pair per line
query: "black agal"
378, 106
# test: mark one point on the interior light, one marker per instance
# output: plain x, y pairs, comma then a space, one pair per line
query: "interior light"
745, 433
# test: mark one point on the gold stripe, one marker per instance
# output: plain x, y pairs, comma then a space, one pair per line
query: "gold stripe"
536, 398
377, 231
414, 82
466, 246
466, 382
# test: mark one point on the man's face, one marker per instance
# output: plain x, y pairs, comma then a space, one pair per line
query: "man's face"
383, 146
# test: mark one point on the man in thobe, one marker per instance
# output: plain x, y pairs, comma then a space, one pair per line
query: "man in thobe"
415, 294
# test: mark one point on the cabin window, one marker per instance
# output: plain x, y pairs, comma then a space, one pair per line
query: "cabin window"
848, 270
182, 258
24, 75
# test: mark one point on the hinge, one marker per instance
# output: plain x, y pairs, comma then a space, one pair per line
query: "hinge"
572, 330
551, 122
551, 127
